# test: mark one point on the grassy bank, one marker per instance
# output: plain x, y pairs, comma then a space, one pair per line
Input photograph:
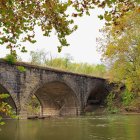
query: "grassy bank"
124, 102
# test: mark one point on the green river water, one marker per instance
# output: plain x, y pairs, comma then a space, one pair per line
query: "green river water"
120, 127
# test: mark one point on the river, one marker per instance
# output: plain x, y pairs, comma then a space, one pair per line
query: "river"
112, 127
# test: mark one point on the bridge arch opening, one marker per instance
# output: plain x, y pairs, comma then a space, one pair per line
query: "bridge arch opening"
57, 99
96, 100
8, 100
34, 107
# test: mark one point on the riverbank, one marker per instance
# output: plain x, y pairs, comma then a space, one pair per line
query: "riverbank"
116, 106
132, 108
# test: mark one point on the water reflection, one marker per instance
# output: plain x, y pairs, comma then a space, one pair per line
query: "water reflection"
83, 128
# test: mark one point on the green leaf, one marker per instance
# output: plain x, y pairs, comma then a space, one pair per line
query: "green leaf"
59, 48
107, 17
101, 17
2, 123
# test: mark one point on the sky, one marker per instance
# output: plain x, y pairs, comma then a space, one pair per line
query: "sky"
82, 42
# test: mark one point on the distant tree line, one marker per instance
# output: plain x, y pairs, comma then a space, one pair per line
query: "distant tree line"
66, 63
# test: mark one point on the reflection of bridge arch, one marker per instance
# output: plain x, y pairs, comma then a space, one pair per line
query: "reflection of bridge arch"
10, 100
56, 98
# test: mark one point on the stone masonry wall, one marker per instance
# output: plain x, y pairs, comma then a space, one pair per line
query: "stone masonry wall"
21, 85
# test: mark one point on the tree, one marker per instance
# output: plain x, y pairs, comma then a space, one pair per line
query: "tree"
65, 63
121, 49
114, 9
5, 108
18, 18
38, 58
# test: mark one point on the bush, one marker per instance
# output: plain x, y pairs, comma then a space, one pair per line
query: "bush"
21, 68
5, 108
11, 59
110, 100
33, 107
127, 97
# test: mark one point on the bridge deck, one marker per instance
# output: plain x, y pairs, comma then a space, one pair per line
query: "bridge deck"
32, 66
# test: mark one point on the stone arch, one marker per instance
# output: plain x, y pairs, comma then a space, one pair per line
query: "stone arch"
56, 98
10, 90
96, 97
10, 100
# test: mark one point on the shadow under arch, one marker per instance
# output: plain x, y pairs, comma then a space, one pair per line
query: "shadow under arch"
8, 100
96, 98
57, 98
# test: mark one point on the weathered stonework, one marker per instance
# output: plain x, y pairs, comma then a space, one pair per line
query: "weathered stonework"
59, 92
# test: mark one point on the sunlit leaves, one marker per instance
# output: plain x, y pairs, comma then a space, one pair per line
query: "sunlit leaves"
5, 108
2, 96
18, 19
115, 8
100, 17
121, 50
107, 16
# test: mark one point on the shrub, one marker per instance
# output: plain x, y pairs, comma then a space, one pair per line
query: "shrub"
21, 68
110, 101
127, 97
11, 59
5, 108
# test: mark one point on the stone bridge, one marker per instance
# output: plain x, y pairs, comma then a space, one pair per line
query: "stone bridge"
59, 92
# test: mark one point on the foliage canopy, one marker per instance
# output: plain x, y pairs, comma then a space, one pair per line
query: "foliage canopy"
18, 18
5, 108
121, 49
